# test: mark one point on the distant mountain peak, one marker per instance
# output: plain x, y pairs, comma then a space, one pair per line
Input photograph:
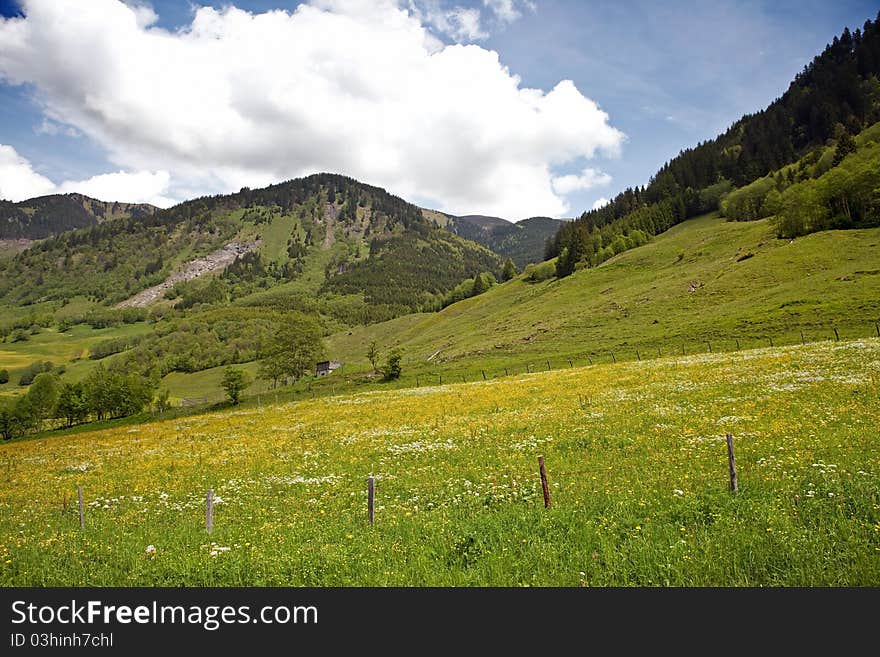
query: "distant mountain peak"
522, 241
45, 216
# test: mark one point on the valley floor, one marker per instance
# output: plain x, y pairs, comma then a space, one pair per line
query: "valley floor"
636, 460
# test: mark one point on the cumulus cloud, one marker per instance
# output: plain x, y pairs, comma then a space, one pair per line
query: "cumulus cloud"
601, 202
19, 182
588, 179
128, 187
352, 86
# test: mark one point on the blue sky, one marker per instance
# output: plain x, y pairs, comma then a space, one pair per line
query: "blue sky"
667, 74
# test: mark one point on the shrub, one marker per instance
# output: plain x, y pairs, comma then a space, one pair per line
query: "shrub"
535, 273
392, 367
28, 376
19, 335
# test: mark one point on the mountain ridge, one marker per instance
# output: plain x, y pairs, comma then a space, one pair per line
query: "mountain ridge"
46, 216
523, 241
352, 236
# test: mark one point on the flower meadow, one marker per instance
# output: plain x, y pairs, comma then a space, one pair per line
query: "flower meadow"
636, 460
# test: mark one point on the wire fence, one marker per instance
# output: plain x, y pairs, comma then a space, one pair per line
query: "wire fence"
542, 471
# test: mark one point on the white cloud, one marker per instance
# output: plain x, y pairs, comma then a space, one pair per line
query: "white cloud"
359, 87
601, 202
588, 179
127, 187
19, 182
465, 24
51, 128
507, 11
143, 12
459, 23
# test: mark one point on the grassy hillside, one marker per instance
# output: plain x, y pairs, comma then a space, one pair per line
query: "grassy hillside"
706, 283
636, 460
704, 280
69, 349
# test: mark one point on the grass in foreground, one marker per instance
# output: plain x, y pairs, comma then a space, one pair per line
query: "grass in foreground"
636, 460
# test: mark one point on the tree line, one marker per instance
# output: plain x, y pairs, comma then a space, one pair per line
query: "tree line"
103, 394
292, 344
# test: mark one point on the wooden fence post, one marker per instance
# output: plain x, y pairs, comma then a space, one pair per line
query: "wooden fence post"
877, 328
417, 382
737, 344
371, 499
441, 379
638, 355
506, 373
548, 365
544, 487
570, 364
731, 462
209, 510
613, 358
709, 344
590, 358
528, 368
484, 374
682, 349
836, 335
770, 337
659, 355
803, 339
82, 513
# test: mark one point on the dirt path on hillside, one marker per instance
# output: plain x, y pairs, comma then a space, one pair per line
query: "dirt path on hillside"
219, 259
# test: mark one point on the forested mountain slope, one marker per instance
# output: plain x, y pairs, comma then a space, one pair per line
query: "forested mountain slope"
43, 216
324, 234
524, 242
835, 97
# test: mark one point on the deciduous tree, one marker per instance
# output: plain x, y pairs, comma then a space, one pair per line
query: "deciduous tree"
294, 349
235, 380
